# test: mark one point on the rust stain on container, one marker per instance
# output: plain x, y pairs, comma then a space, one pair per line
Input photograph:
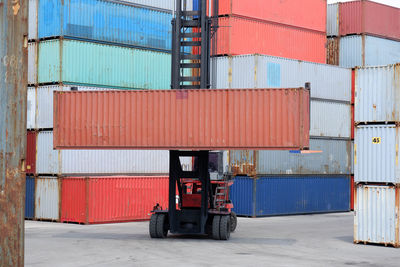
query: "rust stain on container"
13, 80
332, 51
163, 119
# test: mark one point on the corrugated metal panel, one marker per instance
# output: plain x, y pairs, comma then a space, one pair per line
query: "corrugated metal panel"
31, 108
377, 93
47, 198
368, 51
242, 196
108, 21
45, 101
330, 119
31, 152
376, 154
297, 195
189, 119
375, 216
334, 159
32, 63
309, 14
332, 20
112, 199
103, 65
332, 51
260, 71
30, 197
47, 160
352, 157
236, 33
33, 20
369, 17
162, 4
64, 162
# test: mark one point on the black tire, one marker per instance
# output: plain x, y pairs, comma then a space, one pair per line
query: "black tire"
215, 227
225, 227
162, 226
233, 221
153, 226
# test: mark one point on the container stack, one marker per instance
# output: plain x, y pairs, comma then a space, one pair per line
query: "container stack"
94, 45
363, 33
283, 182
291, 29
376, 155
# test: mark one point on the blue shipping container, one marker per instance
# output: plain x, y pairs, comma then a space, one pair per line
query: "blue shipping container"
105, 21
30, 197
285, 195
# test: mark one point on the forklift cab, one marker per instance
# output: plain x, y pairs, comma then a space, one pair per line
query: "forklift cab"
202, 206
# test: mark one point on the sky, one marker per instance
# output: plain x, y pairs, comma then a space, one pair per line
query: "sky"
395, 3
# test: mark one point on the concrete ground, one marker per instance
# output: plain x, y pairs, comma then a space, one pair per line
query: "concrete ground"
306, 240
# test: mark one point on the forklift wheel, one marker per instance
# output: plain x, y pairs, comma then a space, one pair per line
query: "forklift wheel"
215, 227
153, 225
162, 226
233, 221
225, 227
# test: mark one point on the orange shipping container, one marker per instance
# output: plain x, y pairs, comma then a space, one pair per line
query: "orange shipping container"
183, 119
240, 36
111, 199
309, 14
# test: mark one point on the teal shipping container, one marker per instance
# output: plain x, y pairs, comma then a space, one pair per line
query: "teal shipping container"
85, 63
107, 21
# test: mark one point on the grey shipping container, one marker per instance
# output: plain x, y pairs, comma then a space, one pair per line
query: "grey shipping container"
331, 157
47, 198
261, 71
376, 215
332, 20
377, 94
364, 50
376, 152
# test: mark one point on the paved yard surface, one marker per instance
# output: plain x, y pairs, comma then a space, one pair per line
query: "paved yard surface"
306, 240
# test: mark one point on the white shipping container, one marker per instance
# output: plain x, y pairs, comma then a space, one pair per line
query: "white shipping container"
376, 215
376, 154
32, 63
332, 20
330, 119
33, 20
47, 198
260, 71
31, 108
70, 162
161, 4
377, 94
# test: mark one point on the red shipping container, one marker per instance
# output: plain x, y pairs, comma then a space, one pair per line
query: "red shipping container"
31, 152
371, 18
309, 14
240, 36
183, 119
111, 199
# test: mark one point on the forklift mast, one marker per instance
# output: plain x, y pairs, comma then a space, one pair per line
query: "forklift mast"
192, 31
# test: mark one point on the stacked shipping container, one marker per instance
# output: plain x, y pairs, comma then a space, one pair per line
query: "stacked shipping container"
376, 170
363, 33
275, 172
272, 28
86, 46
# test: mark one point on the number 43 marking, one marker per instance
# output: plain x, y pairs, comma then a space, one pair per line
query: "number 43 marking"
376, 140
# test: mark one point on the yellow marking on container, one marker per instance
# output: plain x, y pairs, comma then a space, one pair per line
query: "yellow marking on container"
397, 154
376, 140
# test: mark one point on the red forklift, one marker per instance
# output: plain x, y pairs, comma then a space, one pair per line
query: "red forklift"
202, 205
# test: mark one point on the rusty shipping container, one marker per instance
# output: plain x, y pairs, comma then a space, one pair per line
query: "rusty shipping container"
31, 152
309, 14
358, 17
240, 36
376, 215
13, 81
111, 199
183, 119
